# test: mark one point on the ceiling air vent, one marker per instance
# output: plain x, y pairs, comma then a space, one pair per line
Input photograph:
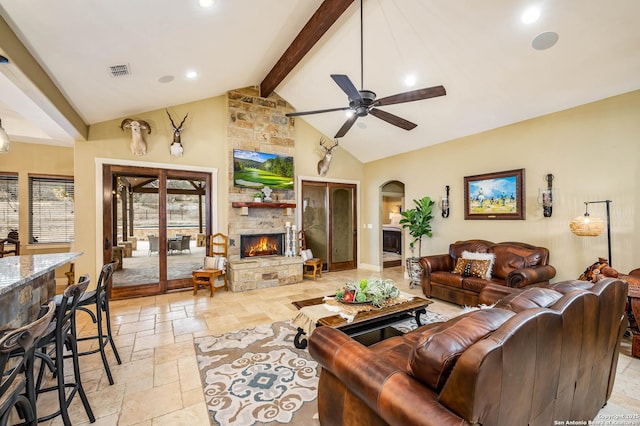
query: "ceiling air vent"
119, 70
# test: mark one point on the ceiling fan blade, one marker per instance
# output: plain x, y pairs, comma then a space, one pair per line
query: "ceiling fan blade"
415, 95
347, 86
346, 126
392, 119
317, 111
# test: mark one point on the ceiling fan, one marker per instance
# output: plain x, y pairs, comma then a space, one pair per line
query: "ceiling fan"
363, 102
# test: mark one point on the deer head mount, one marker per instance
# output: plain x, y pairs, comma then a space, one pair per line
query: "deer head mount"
176, 148
138, 144
323, 165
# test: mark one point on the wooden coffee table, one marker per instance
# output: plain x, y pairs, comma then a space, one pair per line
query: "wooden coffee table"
364, 322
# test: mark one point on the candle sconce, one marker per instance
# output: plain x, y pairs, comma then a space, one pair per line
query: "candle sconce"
545, 196
444, 203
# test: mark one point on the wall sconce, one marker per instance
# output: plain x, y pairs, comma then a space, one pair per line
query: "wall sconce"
444, 203
4, 140
288, 211
587, 226
545, 196
244, 211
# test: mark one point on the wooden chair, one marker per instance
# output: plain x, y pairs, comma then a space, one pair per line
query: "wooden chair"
15, 250
216, 253
71, 274
313, 266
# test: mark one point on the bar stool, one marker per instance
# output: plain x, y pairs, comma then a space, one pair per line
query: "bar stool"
100, 299
60, 334
16, 386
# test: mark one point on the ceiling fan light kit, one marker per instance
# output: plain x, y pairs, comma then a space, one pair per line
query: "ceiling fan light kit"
363, 102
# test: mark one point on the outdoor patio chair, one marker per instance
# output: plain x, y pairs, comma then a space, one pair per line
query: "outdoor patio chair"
154, 244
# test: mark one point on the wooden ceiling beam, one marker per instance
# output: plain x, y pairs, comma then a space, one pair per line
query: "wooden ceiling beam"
323, 18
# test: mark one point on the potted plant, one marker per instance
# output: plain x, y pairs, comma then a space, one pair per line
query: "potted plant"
257, 197
418, 222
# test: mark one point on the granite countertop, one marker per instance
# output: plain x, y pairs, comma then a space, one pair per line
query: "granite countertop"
18, 270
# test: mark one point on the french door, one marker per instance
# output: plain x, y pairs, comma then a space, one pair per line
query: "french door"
154, 223
329, 223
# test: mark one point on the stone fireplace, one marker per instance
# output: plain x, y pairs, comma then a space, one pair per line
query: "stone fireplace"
259, 124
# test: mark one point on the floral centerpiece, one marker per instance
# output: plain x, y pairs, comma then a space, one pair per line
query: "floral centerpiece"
373, 290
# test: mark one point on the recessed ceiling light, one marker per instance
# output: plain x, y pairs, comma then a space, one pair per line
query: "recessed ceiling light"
191, 75
530, 15
166, 79
206, 3
361, 124
3, 60
545, 40
410, 80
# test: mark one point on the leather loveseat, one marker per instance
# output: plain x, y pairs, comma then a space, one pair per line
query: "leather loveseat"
539, 355
515, 265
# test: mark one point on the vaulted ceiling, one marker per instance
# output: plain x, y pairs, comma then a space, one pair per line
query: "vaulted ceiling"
481, 52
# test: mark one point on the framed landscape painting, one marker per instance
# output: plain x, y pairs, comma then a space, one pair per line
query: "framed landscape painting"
495, 195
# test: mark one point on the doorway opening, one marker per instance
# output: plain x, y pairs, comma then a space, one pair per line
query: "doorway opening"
154, 223
392, 241
329, 218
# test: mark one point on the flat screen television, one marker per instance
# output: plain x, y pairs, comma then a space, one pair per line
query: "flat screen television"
253, 169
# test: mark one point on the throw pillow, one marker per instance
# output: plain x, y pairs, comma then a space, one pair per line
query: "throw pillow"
306, 255
472, 268
481, 256
215, 262
598, 271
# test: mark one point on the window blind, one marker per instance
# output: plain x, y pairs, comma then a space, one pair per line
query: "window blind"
51, 209
9, 204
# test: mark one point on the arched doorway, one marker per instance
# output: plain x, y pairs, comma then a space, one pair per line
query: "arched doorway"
392, 203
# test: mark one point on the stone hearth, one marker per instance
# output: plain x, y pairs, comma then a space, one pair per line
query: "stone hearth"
263, 272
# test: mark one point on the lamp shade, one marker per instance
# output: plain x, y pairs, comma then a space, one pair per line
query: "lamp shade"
587, 226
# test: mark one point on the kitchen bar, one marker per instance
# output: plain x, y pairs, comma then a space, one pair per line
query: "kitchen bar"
27, 282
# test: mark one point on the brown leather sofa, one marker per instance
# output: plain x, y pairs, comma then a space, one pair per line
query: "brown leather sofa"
516, 265
539, 355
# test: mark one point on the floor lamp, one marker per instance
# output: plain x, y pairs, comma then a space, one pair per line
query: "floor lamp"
588, 226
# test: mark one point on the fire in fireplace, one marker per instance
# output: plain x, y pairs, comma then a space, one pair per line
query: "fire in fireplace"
261, 245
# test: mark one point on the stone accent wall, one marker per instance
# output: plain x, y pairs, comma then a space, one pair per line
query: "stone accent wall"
259, 124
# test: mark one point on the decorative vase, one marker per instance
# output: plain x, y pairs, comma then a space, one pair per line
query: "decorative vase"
257, 200
414, 270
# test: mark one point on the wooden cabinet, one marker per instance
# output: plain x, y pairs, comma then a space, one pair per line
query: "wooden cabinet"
391, 241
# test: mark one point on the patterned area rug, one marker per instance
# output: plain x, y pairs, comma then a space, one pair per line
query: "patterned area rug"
257, 376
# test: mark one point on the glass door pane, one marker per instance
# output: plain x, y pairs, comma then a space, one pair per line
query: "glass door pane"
314, 218
342, 231
341, 225
185, 226
137, 231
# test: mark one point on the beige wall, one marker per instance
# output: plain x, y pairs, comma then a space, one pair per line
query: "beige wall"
593, 152
204, 141
29, 158
205, 145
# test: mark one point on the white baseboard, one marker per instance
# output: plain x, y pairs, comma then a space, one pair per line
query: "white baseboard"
370, 267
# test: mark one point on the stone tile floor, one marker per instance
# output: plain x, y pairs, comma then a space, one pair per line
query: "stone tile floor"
158, 382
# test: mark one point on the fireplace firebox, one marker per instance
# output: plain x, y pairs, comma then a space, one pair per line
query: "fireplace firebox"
255, 245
